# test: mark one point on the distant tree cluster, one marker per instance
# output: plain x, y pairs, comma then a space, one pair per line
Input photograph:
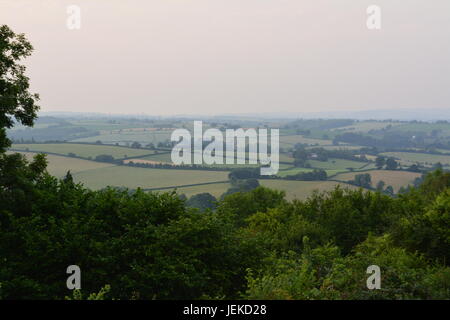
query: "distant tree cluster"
315, 175
362, 180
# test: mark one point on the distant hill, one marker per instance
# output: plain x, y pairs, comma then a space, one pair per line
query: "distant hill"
394, 114
424, 114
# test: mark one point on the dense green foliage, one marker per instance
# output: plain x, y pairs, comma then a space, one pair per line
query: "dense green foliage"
16, 102
254, 245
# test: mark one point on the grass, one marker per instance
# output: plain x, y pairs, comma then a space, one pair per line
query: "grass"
294, 139
396, 179
425, 127
285, 157
158, 157
59, 165
336, 164
143, 137
82, 150
301, 190
366, 126
339, 147
410, 158
291, 171
166, 158
131, 177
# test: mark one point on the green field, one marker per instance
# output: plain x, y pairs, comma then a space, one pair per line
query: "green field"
166, 158
291, 140
159, 157
82, 150
336, 164
292, 171
59, 165
285, 157
443, 128
410, 158
396, 179
339, 147
301, 189
143, 137
366, 126
130, 177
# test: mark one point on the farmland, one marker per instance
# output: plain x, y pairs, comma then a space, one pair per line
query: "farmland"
291, 140
366, 126
215, 189
292, 171
82, 150
59, 165
79, 140
300, 190
337, 164
423, 158
396, 179
130, 177
124, 137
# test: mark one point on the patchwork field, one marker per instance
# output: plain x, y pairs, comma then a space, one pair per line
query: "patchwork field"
123, 176
301, 190
166, 158
83, 150
396, 179
423, 158
59, 165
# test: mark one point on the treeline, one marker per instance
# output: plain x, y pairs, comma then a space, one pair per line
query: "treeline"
173, 166
315, 175
385, 140
254, 173
317, 124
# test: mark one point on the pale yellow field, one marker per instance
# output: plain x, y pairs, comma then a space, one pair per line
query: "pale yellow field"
131, 177
301, 190
82, 150
410, 158
59, 165
396, 179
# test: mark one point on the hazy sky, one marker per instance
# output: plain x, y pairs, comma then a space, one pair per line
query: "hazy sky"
235, 56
